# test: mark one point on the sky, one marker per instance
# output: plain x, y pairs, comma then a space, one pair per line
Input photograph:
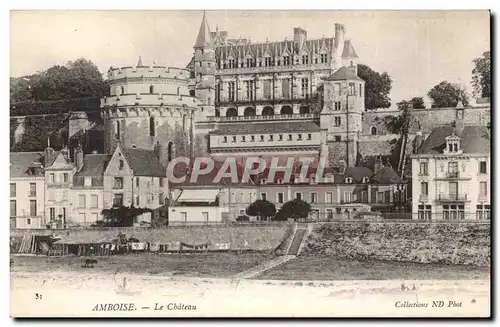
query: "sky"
418, 49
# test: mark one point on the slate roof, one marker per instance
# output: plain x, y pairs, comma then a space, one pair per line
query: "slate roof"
357, 173
20, 162
144, 162
274, 49
349, 51
344, 73
275, 127
474, 139
204, 39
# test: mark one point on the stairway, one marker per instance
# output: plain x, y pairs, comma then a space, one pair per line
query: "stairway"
257, 270
294, 249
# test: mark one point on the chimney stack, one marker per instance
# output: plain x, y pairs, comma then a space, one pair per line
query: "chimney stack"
78, 157
158, 149
49, 154
378, 164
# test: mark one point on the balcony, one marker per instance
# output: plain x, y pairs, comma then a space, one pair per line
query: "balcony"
59, 185
273, 69
423, 198
452, 198
264, 118
453, 175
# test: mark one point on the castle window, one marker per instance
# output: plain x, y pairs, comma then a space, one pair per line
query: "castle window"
281, 137
289, 137
453, 144
234, 139
232, 63
122, 90
286, 60
225, 139
315, 60
270, 137
192, 93
252, 138
151, 89
337, 105
305, 59
309, 136
373, 130
170, 151
305, 87
249, 62
299, 137
178, 90
243, 138
231, 112
249, 89
338, 138
151, 126
267, 61
231, 91
352, 89
348, 180
262, 138
323, 58
122, 164
338, 121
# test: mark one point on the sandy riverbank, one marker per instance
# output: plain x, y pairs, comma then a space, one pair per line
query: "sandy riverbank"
76, 294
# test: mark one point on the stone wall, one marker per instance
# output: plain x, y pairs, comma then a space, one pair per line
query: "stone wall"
259, 237
445, 243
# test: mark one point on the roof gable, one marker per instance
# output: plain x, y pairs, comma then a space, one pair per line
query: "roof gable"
349, 51
21, 162
474, 139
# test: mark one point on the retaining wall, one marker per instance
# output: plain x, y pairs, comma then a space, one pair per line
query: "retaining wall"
259, 237
446, 243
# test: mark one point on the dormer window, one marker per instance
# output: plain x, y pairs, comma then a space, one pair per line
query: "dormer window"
312, 179
453, 145
366, 180
280, 181
263, 181
348, 180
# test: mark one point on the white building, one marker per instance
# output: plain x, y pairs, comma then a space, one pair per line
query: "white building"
27, 190
451, 174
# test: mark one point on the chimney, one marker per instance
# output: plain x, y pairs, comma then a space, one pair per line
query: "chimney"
353, 68
299, 35
49, 154
378, 164
339, 36
78, 157
158, 149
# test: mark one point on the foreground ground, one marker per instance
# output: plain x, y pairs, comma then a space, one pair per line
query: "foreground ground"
187, 265
328, 268
224, 265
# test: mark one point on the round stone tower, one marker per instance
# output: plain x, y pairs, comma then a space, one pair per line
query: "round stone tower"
147, 105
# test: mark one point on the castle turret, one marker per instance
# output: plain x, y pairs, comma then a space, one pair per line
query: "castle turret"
350, 57
204, 67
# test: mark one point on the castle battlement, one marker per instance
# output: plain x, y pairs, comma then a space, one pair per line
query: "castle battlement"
147, 99
148, 71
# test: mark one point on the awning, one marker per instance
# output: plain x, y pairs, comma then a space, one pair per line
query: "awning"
200, 195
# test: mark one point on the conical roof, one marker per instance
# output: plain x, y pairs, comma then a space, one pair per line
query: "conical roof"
204, 39
349, 51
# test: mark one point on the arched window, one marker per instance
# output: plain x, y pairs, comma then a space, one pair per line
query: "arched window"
373, 130
170, 151
217, 112
152, 126
249, 112
268, 111
151, 89
231, 112
286, 110
122, 90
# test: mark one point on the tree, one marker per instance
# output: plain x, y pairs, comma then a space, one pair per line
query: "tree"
122, 216
377, 87
261, 208
481, 76
295, 209
417, 102
77, 79
400, 124
446, 95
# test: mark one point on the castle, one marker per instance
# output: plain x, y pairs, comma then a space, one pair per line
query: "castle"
237, 98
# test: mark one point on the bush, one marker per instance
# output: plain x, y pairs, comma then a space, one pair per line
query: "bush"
242, 218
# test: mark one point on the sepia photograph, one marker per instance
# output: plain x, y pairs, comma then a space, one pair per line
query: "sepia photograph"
250, 163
